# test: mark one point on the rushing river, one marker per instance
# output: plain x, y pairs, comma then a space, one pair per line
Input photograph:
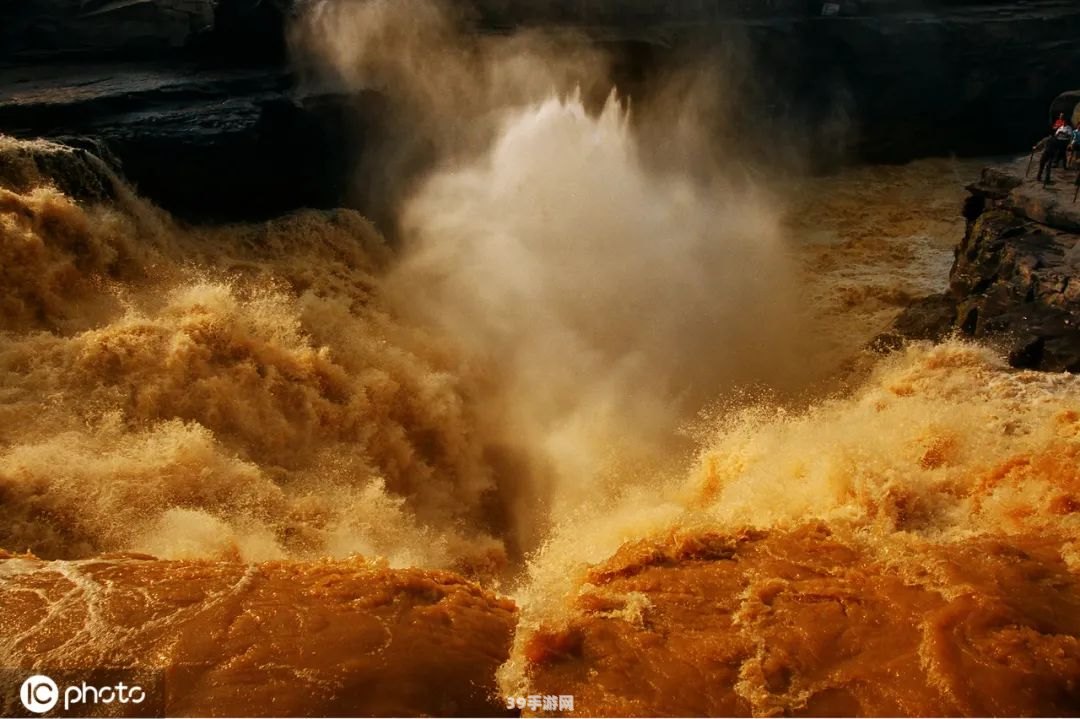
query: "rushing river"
582, 379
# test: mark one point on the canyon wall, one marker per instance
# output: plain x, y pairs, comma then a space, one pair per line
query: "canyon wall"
212, 93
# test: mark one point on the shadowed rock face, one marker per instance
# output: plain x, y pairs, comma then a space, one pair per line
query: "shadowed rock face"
809, 623
883, 80
52, 27
247, 30
1018, 281
344, 638
903, 78
1016, 278
206, 144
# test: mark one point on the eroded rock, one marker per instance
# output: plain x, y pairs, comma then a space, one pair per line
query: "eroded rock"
1016, 277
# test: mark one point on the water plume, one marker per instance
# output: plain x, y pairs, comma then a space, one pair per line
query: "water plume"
608, 291
444, 85
940, 448
610, 299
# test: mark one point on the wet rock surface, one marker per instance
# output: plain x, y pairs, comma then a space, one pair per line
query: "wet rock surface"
208, 144
1016, 278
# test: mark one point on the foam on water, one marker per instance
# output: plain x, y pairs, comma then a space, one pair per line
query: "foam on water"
229, 392
576, 349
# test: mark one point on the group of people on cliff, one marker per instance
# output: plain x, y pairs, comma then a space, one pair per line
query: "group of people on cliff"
1060, 147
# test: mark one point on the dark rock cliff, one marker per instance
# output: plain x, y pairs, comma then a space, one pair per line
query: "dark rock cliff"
36, 30
208, 144
195, 99
1016, 278
908, 77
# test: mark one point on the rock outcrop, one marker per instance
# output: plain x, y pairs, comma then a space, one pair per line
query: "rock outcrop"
51, 28
1016, 277
222, 144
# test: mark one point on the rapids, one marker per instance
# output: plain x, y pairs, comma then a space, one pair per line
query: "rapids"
234, 392
633, 399
251, 393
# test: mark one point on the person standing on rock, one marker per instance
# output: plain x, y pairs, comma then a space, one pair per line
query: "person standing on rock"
1072, 158
1053, 148
1060, 135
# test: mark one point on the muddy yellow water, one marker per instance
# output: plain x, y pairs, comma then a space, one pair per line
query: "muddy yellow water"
327, 638
641, 421
811, 621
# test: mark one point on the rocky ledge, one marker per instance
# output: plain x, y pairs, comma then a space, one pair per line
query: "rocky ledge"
1016, 278
207, 143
